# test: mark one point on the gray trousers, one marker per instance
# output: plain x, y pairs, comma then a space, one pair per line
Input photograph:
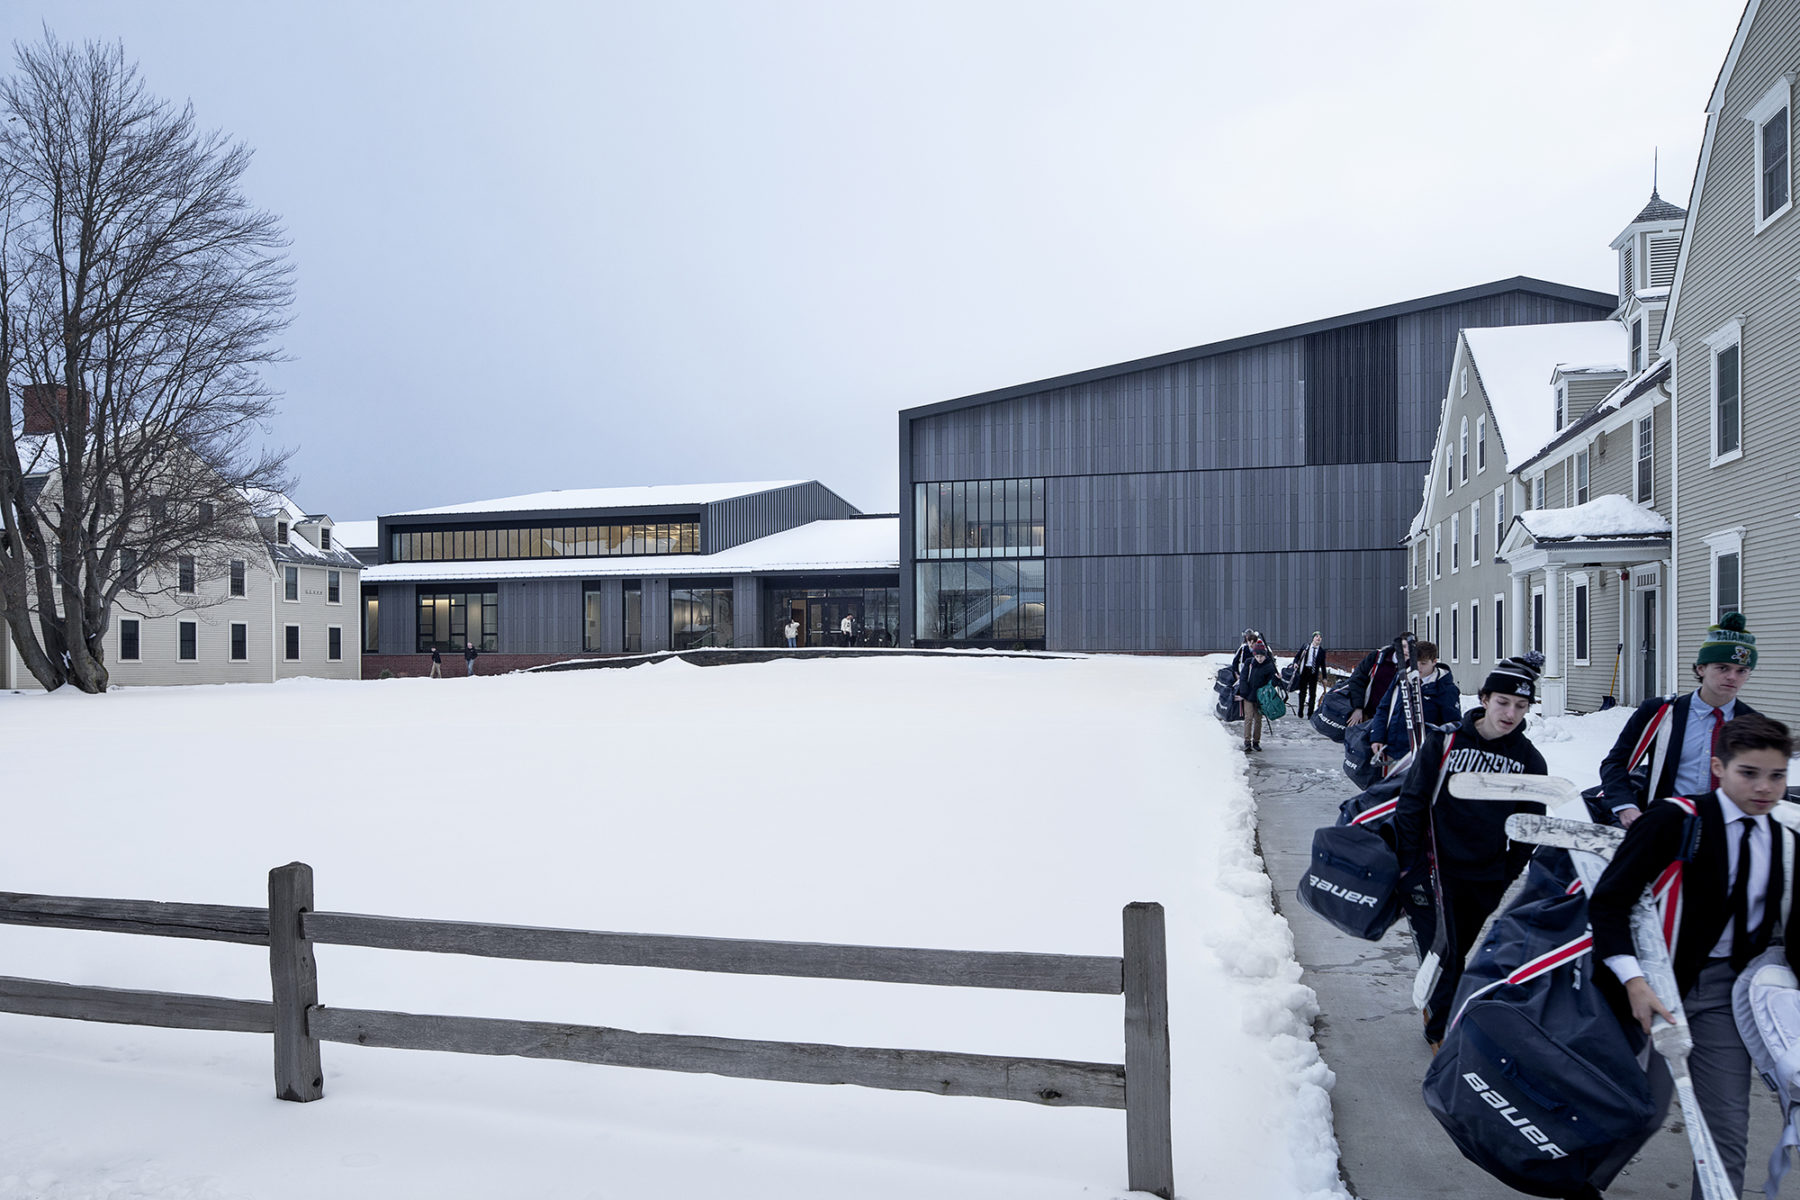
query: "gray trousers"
1720, 1067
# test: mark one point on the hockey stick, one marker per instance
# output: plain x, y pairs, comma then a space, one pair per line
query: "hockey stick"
1588, 843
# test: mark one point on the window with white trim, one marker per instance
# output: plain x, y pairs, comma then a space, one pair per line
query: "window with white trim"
290, 583
1727, 347
1474, 631
238, 567
1465, 382
291, 641
1499, 516
1437, 626
1480, 444
1455, 542
324, 537
1462, 453
188, 641
1455, 633
1637, 345
1499, 626
184, 573
1646, 461
240, 641
1437, 551
1449, 472
1774, 183
130, 642
1537, 619
1537, 492
1562, 403
333, 588
334, 642
1727, 571
1582, 631
1581, 476
1475, 533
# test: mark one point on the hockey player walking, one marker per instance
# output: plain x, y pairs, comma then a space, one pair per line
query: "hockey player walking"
1455, 857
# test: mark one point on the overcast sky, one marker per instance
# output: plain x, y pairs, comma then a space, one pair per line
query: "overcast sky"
556, 245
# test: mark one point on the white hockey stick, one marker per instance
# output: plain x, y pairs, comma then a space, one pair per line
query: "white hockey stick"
1673, 1040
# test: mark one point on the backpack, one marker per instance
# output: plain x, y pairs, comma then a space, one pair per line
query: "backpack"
1269, 699
1766, 1002
1332, 716
1537, 1081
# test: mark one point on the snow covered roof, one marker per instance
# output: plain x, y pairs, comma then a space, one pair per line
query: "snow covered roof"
1515, 364
1628, 390
1610, 516
618, 497
857, 544
357, 535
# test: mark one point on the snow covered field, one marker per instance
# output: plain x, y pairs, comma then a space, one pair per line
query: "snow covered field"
972, 803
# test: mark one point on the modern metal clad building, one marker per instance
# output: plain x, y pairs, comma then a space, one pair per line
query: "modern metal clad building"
1163, 504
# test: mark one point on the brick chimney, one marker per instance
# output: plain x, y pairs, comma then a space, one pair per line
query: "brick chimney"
44, 402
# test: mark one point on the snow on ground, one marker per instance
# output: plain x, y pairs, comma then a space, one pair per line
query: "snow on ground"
959, 803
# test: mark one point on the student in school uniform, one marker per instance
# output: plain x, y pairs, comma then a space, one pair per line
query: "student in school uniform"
1722, 666
1730, 904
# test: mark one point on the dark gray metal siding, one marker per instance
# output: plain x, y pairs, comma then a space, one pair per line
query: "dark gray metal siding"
655, 612
540, 616
399, 618
1297, 460
746, 611
729, 523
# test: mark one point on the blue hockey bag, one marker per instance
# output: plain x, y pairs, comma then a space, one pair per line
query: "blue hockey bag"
1363, 768
1227, 708
1332, 716
1353, 881
1537, 1082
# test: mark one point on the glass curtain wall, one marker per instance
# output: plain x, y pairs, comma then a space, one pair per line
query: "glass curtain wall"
878, 618
978, 550
450, 620
545, 541
700, 615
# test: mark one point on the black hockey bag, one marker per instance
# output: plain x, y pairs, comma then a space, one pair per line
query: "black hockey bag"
1537, 1081
1363, 768
1332, 716
1374, 809
1227, 708
1353, 880
1288, 675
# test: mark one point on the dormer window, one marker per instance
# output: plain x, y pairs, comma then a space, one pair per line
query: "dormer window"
281, 533
1562, 404
324, 537
1637, 345
1772, 116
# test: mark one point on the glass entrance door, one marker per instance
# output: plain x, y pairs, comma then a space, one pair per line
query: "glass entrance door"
825, 620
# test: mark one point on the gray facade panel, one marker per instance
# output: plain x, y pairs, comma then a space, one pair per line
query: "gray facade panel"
656, 615
743, 519
399, 618
540, 616
746, 611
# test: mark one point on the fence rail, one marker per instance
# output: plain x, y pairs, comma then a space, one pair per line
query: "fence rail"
299, 1023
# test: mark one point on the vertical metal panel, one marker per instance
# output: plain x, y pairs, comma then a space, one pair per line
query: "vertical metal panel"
743, 519
540, 616
746, 612
399, 618
655, 612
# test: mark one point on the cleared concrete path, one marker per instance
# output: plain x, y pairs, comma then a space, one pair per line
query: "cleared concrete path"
1390, 1146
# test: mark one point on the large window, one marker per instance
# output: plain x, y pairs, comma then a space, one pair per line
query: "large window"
992, 601
1728, 398
451, 620
980, 518
700, 615
1773, 116
545, 541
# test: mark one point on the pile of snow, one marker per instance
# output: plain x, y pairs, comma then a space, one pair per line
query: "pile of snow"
973, 803
1610, 516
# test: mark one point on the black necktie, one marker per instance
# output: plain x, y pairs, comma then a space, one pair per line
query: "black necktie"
1741, 950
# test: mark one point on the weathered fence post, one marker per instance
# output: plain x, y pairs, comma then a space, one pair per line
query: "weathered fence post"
295, 979
1148, 1147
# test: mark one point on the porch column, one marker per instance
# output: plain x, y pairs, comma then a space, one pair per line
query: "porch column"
1555, 690
1515, 622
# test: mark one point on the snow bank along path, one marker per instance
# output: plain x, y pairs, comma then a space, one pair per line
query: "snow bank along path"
997, 805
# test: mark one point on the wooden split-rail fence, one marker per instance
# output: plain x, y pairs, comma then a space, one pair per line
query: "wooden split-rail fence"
290, 928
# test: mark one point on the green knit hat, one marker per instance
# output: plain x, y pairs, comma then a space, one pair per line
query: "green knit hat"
1727, 642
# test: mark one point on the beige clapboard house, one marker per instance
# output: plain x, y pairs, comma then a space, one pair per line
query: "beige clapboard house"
1734, 340
279, 605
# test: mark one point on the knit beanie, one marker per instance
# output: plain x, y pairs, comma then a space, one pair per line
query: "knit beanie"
1728, 642
1259, 647
1516, 676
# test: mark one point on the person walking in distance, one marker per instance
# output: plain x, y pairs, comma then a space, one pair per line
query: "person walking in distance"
470, 654
1455, 856
848, 627
1260, 671
792, 630
437, 663
1731, 902
1309, 665
1686, 727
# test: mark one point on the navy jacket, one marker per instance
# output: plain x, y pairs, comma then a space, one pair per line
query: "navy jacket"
1443, 705
1615, 769
1254, 675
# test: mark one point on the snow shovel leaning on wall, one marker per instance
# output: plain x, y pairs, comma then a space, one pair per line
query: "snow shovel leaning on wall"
1610, 700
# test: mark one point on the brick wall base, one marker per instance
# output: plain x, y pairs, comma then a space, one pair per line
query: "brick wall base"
413, 666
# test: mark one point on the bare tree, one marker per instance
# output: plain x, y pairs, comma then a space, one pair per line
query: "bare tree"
140, 296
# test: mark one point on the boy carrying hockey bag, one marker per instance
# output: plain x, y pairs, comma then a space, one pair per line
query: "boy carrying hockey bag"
1332, 716
1537, 1080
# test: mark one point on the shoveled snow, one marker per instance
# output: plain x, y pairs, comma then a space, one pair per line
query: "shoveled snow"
856, 544
948, 802
1515, 364
615, 497
1602, 517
